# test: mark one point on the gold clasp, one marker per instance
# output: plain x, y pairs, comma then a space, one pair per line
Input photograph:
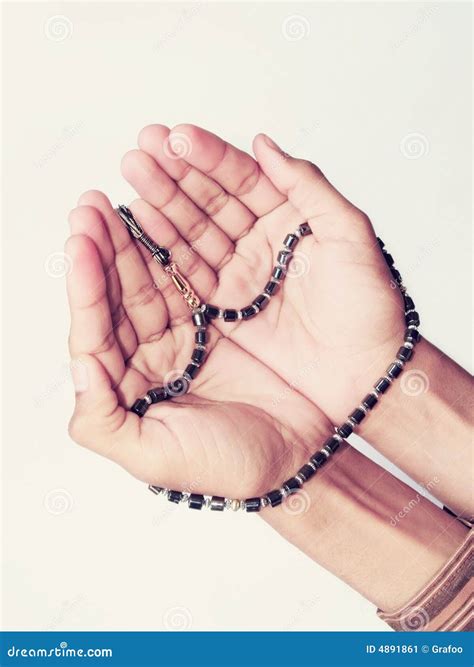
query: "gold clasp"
182, 285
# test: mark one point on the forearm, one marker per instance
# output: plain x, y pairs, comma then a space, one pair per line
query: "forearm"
369, 529
424, 425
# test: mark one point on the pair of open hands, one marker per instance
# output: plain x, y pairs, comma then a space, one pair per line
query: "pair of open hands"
272, 387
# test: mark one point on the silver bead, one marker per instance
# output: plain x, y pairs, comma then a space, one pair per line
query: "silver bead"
235, 505
408, 345
147, 399
239, 315
326, 452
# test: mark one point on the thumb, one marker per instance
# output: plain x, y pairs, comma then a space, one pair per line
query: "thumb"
329, 214
97, 413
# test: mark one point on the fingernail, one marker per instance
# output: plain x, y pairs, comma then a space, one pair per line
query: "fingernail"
272, 144
79, 375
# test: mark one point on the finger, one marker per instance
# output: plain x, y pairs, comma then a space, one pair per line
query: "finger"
156, 187
92, 331
142, 302
329, 213
234, 170
87, 220
197, 272
230, 214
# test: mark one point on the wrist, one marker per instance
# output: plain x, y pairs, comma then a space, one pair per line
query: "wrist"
350, 519
423, 423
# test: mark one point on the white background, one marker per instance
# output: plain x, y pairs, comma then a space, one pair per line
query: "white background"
343, 84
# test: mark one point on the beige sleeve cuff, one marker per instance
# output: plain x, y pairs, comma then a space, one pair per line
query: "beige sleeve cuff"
446, 602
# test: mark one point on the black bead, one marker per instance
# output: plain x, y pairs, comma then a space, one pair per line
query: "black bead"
380, 242
404, 354
155, 489
412, 335
397, 276
275, 497
200, 337
345, 430
248, 312
261, 301
284, 257
388, 257
196, 501
191, 370
278, 273
369, 401
357, 416
198, 355
271, 287
306, 472
290, 241
394, 370
332, 444
292, 485
157, 394
412, 318
217, 503
199, 319
319, 459
253, 505
382, 385
409, 303
140, 407
304, 229
230, 315
211, 311
175, 496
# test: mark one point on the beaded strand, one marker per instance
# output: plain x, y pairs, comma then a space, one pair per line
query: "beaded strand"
204, 313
